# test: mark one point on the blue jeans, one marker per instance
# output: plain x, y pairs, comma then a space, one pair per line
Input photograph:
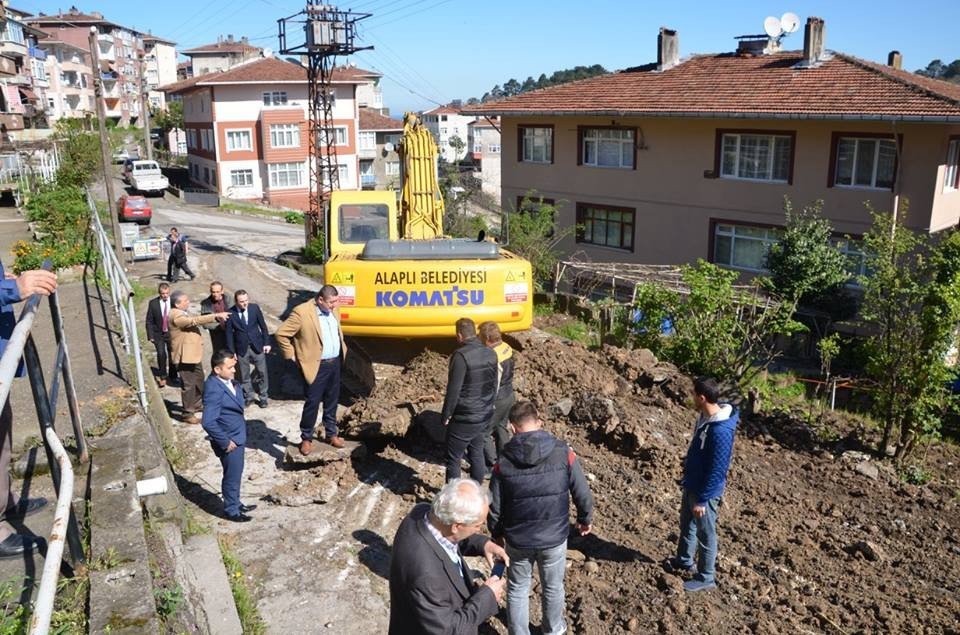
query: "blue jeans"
552, 564
700, 532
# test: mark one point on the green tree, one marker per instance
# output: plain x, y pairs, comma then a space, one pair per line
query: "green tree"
169, 119
532, 233
805, 263
458, 146
79, 153
715, 327
912, 306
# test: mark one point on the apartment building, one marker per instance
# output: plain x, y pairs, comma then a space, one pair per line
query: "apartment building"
70, 92
219, 56
246, 130
120, 49
691, 158
447, 122
379, 161
159, 68
23, 78
483, 147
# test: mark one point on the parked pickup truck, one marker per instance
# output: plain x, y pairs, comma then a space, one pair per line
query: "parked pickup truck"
146, 177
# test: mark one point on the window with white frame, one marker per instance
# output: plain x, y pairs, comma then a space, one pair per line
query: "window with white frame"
607, 147
241, 178
343, 173
239, 140
285, 135
477, 147
339, 136
865, 162
443, 131
493, 148
743, 246
275, 98
951, 177
761, 157
39, 70
368, 140
443, 117
536, 144
286, 174
191, 138
605, 226
392, 168
856, 257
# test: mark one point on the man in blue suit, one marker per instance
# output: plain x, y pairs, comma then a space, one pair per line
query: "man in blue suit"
248, 338
224, 423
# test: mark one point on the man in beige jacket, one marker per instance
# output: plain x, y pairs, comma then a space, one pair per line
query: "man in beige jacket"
186, 351
312, 337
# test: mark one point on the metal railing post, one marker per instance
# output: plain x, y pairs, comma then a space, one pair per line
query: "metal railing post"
68, 385
135, 341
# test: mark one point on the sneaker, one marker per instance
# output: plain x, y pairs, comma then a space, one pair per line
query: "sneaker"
694, 585
675, 565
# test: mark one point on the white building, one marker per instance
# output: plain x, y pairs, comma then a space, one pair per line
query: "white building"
446, 123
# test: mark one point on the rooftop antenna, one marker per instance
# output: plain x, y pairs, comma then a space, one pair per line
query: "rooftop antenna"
777, 28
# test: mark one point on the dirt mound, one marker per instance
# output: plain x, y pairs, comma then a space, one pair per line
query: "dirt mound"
813, 537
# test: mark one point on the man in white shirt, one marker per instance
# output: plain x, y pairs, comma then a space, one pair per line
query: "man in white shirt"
158, 332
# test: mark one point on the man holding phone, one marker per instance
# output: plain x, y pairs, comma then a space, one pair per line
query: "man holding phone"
530, 508
431, 587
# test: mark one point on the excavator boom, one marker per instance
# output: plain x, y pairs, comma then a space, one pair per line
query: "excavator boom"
421, 202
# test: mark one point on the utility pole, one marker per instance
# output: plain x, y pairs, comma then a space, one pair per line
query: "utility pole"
104, 142
145, 110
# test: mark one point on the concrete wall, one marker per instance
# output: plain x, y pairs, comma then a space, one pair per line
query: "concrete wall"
677, 200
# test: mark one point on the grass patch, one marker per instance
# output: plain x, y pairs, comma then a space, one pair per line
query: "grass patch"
576, 331
255, 210
193, 526
543, 310
15, 617
114, 407
250, 619
175, 456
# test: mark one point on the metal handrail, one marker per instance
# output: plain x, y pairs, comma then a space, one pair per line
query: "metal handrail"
64, 530
121, 294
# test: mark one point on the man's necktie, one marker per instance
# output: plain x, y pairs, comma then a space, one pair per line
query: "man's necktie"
164, 317
243, 314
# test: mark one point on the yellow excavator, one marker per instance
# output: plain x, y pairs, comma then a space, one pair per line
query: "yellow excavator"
398, 275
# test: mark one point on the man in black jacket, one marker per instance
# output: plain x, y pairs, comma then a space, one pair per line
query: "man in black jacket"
530, 489
468, 404
216, 302
158, 332
247, 337
497, 434
431, 587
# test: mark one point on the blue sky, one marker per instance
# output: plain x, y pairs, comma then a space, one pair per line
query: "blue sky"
437, 50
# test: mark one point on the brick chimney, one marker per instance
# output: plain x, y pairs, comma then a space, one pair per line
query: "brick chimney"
895, 60
813, 41
668, 49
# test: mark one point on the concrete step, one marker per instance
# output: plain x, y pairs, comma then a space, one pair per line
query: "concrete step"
121, 589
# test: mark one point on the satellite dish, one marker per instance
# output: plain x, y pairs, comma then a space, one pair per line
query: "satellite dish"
267, 51
789, 22
772, 26
388, 146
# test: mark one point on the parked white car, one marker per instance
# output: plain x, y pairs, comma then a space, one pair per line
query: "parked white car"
146, 177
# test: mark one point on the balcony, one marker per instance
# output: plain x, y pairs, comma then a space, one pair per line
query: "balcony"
7, 66
108, 76
368, 181
37, 53
367, 153
12, 121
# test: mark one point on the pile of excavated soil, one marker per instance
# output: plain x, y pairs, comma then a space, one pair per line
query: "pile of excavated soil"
812, 539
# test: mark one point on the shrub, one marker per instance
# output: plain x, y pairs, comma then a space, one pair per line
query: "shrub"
315, 249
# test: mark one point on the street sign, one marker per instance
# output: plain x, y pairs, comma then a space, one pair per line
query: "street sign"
147, 249
129, 232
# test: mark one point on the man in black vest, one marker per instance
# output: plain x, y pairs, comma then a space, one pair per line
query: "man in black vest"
530, 507
468, 404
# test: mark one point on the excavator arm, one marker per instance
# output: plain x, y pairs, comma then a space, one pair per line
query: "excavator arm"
421, 202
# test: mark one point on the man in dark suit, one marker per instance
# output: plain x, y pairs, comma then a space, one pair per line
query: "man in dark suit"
224, 423
216, 302
431, 587
247, 337
158, 332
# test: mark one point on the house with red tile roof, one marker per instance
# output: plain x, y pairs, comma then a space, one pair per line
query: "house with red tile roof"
483, 146
379, 161
692, 158
247, 130
446, 123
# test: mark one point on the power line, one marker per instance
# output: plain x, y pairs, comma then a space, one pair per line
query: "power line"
382, 47
401, 84
401, 74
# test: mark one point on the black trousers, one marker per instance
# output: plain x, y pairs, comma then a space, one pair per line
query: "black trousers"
165, 368
174, 267
469, 437
497, 434
325, 388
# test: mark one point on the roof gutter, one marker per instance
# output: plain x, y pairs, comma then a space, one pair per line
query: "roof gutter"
720, 115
